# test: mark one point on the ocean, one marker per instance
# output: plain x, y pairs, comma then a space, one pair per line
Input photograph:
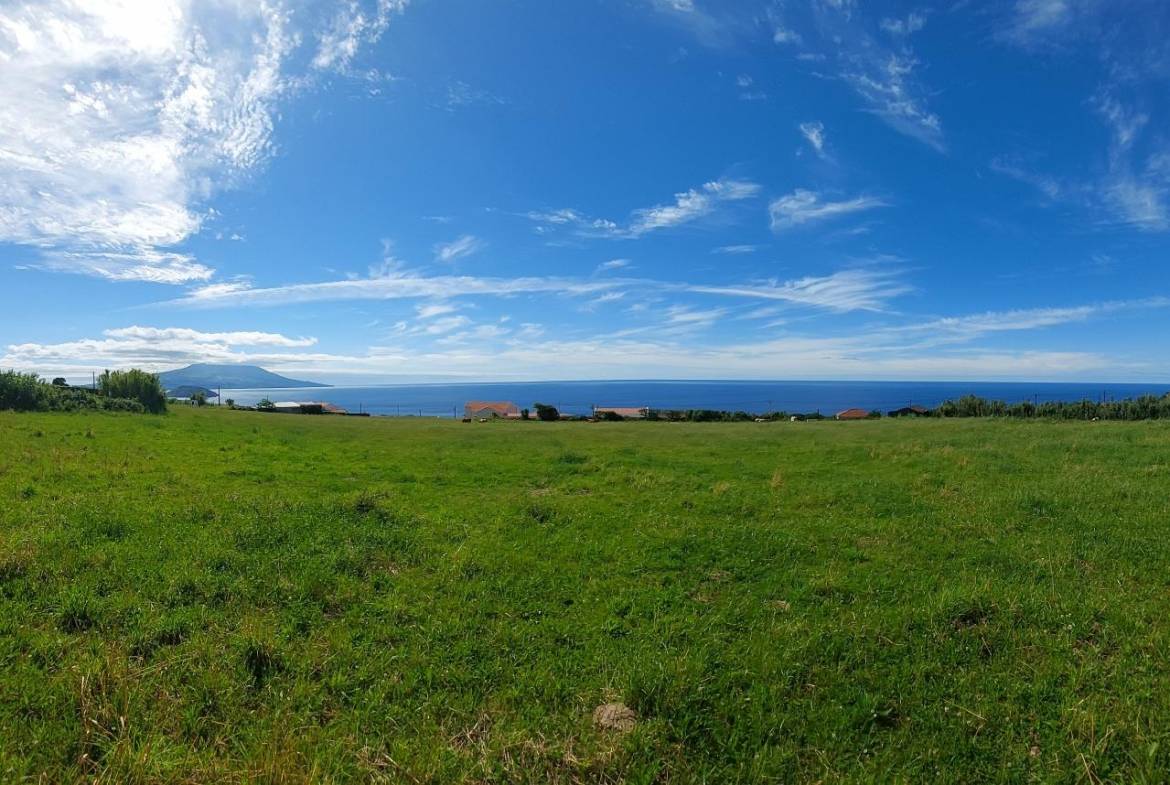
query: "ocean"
827, 397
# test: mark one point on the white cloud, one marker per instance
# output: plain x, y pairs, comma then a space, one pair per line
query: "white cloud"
349, 29
913, 22
121, 119
691, 205
395, 286
431, 310
736, 249
803, 207
457, 249
860, 289
914, 351
613, 264
151, 348
688, 206
885, 82
863, 288
785, 35
1032, 19
236, 338
814, 134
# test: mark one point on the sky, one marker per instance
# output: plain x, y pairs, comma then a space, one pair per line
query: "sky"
394, 190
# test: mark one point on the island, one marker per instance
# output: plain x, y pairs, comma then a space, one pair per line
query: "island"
233, 377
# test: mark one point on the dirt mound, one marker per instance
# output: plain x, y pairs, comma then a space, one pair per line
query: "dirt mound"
614, 716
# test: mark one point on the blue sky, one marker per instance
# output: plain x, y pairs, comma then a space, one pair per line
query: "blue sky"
388, 190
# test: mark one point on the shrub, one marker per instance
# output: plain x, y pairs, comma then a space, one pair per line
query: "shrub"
546, 412
23, 392
136, 385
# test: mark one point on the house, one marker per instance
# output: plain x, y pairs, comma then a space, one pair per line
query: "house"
299, 407
910, 411
625, 412
486, 410
853, 414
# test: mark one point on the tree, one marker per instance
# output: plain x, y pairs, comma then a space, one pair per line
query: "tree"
230, 402
525, 414
546, 413
60, 382
199, 398
265, 405
134, 385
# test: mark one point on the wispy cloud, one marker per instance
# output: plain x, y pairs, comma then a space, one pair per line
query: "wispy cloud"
461, 94
351, 27
736, 249
860, 289
431, 310
803, 207
1031, 21
688, 207
1051, 187
613, 264
691, 205
886, 83
814, 134
1137, 187
458, 248
912, 23
401, 285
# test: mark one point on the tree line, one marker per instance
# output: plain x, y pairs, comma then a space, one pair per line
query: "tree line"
119, 391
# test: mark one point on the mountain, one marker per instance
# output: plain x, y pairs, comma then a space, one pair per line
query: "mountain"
229, 376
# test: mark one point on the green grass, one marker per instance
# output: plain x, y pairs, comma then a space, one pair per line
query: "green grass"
216, 596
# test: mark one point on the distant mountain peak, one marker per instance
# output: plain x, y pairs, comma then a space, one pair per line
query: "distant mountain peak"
234, 377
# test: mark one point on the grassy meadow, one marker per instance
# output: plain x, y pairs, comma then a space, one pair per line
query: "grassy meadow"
219, 596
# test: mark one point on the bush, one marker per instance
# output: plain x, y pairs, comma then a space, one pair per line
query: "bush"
546, 412
136, 385
23, 392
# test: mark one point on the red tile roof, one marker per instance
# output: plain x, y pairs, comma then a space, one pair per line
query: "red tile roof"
501, 408
852, 414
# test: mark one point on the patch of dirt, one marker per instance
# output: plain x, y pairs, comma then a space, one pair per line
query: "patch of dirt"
614, 716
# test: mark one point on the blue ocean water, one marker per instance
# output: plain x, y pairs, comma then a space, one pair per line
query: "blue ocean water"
828, 397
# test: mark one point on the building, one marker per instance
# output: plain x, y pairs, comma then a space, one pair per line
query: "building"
486, 410
853, 414
910, 411
625, 412
307, 407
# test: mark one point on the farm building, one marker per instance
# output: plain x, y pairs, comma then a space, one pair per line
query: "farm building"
625, 412
301, 407
853, 414
910, 411
486, 410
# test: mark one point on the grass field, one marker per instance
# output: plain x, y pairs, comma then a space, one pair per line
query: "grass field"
214, 596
